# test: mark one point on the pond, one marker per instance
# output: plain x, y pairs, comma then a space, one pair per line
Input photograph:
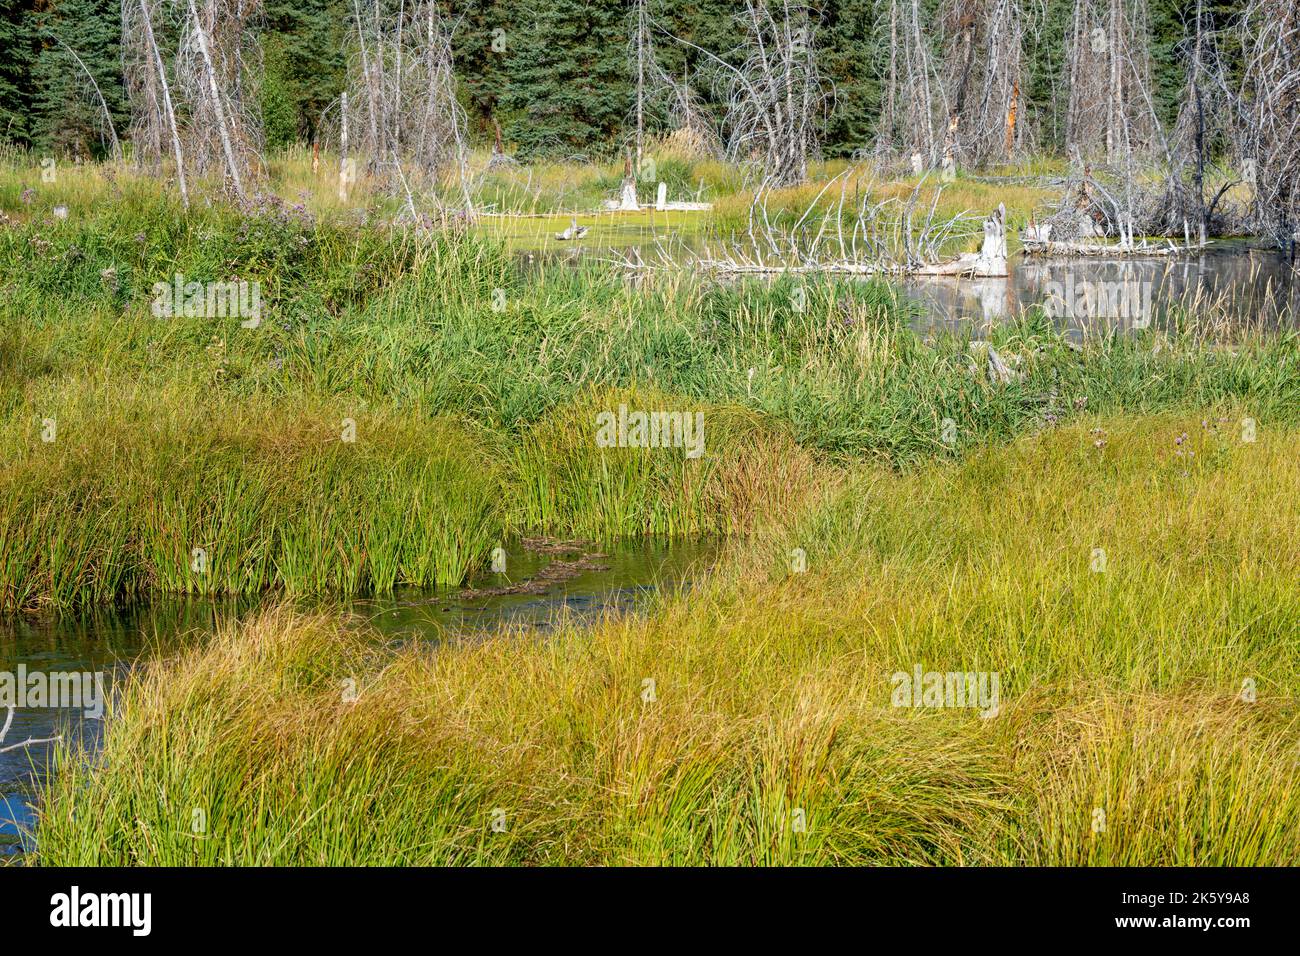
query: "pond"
545, 582
1237, 281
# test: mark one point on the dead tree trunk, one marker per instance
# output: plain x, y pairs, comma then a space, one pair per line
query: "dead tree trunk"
983, 69
1268, 126
150, 115
218, 107
403, 79
1203, 219
628, 199
1109, 98
964, 56
776, 98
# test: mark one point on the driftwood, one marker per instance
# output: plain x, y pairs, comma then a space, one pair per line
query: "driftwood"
574, 231
999, 372
1101, 213
989, 262
1102, 249
29, 742
1106, 250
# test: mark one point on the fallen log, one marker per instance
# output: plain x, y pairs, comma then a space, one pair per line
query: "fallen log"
1104, 250
989, 263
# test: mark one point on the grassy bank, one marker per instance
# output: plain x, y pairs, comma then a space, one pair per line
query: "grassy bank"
525, 206
128, 439
173, 491
1131, 580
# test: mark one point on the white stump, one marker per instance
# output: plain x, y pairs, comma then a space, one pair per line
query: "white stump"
628, 202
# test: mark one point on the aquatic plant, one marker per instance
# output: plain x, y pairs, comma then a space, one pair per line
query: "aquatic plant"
1146, 712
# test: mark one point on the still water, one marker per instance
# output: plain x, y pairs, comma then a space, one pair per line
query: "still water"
617, 580
1238, 281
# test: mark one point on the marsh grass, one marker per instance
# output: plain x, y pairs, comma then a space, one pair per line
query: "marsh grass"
948, 521
749, 473
921, 197
271, 494
470, 379
1120, 691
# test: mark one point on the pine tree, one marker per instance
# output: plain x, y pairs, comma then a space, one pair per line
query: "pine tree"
15, 69
66, 113
851, 58
304, 46
482, 42
569, 90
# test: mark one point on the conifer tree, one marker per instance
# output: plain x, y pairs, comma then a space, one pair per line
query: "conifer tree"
568, 89
304, 45
15, 69
66, 113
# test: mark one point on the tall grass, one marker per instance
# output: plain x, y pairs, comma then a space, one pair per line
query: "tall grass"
770, 736
748, 475
474, 383
143, 491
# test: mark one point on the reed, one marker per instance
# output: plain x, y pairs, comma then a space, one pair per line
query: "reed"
751, 718
143, 491
445, 350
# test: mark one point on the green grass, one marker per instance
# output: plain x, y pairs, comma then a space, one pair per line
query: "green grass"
136, 480
474, 382
948, 521
1120, 693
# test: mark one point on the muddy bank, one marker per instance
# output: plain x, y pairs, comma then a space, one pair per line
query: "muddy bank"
579, 558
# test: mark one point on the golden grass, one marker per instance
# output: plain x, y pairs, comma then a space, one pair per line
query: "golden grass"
749, 719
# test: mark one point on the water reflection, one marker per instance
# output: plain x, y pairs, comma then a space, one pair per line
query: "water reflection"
1234, 280
1237, 281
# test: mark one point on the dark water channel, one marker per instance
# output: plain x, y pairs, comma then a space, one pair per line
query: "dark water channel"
108, 641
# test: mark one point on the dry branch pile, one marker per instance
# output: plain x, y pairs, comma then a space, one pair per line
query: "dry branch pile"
401, 102
197, 106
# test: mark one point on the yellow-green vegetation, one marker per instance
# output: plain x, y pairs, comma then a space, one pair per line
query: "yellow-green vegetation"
142, 489
1132, 581
1108, 530
129, 439
838, 187
527, 205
